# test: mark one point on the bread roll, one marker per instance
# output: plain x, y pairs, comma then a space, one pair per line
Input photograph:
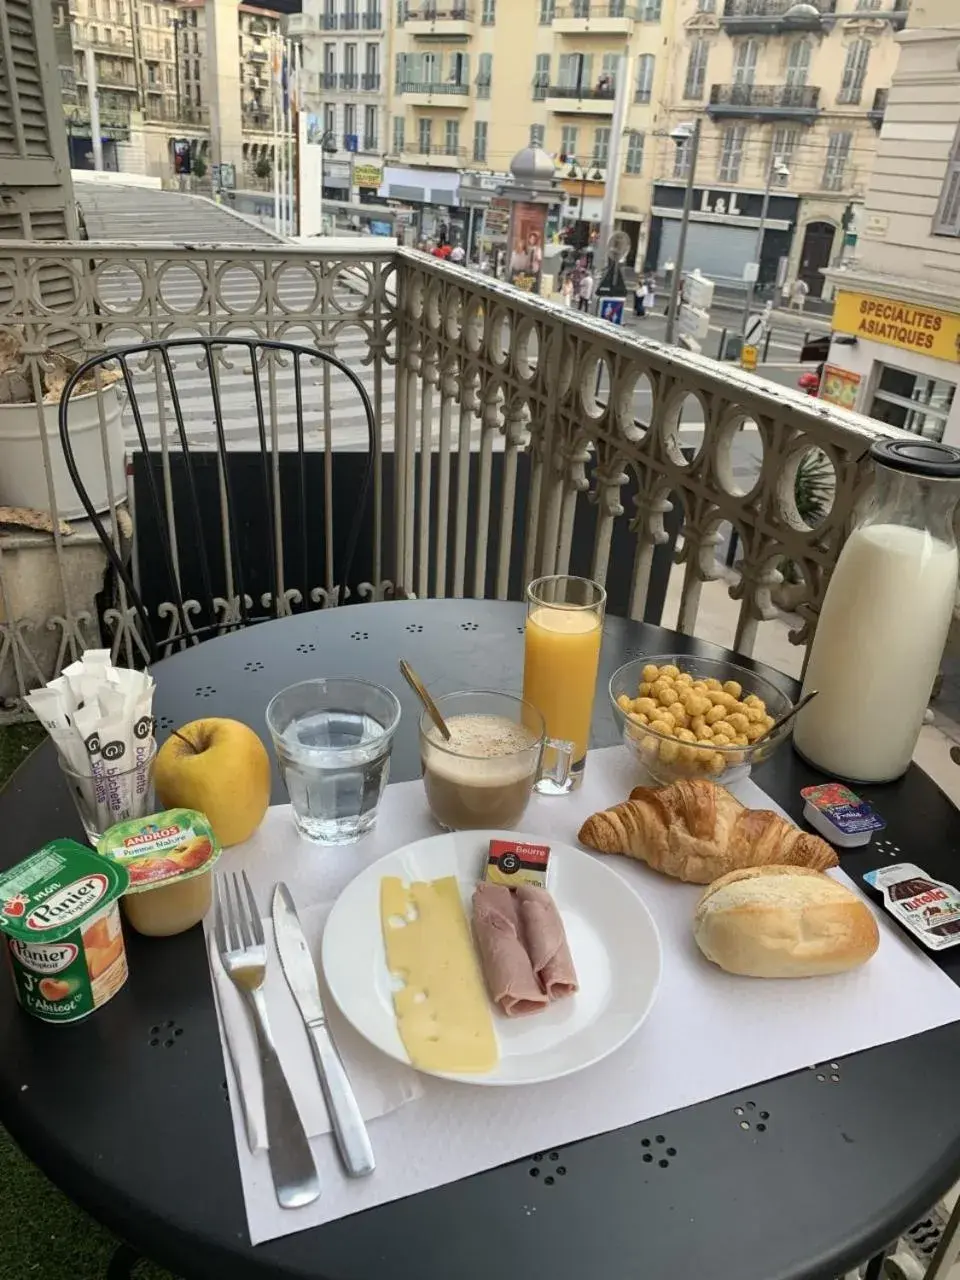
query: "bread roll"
783, 922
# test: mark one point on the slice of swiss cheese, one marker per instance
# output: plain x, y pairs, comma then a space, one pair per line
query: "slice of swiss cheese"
443, 1014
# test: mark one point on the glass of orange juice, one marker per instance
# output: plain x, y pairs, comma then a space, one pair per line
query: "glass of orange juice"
561, 656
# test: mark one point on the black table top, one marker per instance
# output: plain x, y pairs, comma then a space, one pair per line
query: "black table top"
797, 1178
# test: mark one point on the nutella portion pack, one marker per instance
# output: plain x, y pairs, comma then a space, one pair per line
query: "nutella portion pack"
929, 908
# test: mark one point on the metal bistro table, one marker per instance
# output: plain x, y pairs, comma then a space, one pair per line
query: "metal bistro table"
798, 1177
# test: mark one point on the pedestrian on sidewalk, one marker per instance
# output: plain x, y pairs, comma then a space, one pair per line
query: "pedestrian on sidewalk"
639, 296
566, 291
798, 294
649, 294
585, 292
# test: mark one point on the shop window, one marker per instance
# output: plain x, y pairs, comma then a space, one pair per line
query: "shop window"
913, 401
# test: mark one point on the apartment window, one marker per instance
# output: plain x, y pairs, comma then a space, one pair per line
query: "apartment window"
537, 135
451, 137
569, 141
854, 71
947, 221
167, 49
745, 62
707, 6
350, 59
645, 64
731, 153
147, 13
696, 76
330, 118
581, 8
783, 143
838, 152
547, 8
425, 135
429, 68
488, 14
399, 71
484, 74
913, 401
168, 75
798, 63
541, 76
196, 43
681, 159
649, 10
574, 70
372, 59
634, 153
869, 4
601, 145
350, 121
480, 140
398, 134
609, 65
196, 69
370, 128
94, 34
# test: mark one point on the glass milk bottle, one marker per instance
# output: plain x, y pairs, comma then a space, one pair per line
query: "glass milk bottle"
884, 621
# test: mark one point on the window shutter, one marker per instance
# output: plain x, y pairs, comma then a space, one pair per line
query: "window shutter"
947, 221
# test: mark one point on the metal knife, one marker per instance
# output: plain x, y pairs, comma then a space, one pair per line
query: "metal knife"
298, 969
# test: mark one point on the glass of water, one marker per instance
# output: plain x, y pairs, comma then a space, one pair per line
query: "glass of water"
333, 741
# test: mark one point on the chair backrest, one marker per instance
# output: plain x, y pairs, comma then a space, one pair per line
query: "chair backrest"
226, 531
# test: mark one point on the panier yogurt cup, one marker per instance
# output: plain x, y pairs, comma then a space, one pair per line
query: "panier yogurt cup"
58, 912
168, 858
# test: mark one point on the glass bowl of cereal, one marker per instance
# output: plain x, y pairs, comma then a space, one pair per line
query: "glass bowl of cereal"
687, 717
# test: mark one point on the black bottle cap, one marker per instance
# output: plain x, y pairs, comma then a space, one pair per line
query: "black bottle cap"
918, 457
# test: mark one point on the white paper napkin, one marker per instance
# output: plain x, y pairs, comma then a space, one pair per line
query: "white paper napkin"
754, 1030
380, 1084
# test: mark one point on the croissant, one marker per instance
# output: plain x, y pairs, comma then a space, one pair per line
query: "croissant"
696, 831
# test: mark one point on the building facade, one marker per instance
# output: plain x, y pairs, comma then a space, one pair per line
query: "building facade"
776, 85
344, 89
797, 80
896, 350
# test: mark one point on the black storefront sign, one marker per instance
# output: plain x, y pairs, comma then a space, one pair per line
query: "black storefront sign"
723, 202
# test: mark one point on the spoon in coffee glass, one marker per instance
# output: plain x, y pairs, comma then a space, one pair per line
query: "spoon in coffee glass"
420, 689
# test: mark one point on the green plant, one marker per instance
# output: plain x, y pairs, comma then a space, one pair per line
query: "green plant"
262, 168
813, 489
199, 167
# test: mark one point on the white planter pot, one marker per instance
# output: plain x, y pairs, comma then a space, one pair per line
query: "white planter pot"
23, 482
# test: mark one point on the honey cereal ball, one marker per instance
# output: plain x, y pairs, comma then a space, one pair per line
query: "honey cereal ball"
769, 721
649, 673
721, 740
647, 706
669, 672
731, 687
753, 701
716, 763
738, 721
700, 727
664, 716
678, 711
662, 726
669, 751
698, 704
683, 678
716, 713
755, 731
624, 703
665, 692
685, 735
700, 686
724, 728
638, 717
644, 688
755, 714
712, 682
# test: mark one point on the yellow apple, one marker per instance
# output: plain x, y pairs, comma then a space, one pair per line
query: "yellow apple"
221, 768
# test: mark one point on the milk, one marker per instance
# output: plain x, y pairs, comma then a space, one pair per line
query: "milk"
876, 652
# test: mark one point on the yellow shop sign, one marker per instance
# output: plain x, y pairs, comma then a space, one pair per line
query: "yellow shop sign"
367, 175
899, 324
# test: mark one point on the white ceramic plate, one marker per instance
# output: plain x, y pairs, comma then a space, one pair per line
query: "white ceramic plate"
612, 936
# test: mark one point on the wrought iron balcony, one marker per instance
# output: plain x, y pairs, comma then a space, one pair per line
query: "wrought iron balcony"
581, 100
372, 20
327, 79
350, 21
557, 419
777, 16
589, 17
349, 80
429, 21
427, 93
764, 102
370, 81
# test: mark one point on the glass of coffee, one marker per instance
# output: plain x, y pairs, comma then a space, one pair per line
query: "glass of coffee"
484, 775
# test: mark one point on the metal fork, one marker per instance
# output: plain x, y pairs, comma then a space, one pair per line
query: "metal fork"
240, 941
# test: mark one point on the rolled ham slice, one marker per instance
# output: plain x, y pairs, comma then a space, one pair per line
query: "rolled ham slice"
546, 942
509, 975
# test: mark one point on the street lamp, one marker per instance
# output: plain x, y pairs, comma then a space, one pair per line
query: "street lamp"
178, 24
682, 135
776, 169
575, 171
